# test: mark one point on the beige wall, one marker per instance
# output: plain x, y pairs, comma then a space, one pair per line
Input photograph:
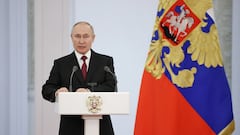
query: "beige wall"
223, 15
236, 64
51, 26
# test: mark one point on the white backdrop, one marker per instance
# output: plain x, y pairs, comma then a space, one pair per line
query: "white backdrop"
123, 30
236, 65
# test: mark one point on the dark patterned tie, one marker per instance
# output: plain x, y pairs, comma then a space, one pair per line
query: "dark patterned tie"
84, 67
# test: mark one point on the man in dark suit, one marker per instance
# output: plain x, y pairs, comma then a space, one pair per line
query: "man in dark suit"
59, 79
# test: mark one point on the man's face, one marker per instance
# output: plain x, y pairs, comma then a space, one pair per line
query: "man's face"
82, 38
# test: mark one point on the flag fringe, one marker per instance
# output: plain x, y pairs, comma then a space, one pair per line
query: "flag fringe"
228, 130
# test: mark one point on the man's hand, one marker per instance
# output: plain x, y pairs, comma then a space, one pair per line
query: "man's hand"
63, 89
82, 90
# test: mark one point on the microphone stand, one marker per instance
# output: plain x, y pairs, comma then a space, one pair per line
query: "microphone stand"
75, 68
92, 85
107, 69
115, 88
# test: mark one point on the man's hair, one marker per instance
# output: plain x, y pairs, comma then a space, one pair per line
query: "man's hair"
84, 22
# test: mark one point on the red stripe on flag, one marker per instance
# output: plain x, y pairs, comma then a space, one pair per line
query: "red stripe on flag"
162, 110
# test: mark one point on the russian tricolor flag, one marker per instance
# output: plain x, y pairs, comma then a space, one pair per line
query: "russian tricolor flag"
184, 89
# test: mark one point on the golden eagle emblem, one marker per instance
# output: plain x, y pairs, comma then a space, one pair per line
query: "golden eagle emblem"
94, 104
179, 22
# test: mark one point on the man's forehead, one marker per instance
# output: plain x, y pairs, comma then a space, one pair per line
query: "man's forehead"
82, 28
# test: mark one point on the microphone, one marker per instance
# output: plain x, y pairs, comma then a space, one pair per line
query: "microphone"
107, 69
74, 69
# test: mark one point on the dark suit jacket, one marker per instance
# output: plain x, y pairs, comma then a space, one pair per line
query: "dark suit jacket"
60, 77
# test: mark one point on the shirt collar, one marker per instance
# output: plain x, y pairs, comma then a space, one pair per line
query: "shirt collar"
78, 55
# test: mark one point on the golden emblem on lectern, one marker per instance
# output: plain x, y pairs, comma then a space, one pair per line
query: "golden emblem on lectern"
94, 104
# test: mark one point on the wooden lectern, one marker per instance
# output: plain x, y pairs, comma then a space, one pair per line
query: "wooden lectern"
92, 105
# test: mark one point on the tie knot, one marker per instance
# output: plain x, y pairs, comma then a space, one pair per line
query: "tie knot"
84, 58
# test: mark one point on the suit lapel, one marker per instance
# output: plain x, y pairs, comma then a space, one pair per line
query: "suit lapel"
78, 73
92, 65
